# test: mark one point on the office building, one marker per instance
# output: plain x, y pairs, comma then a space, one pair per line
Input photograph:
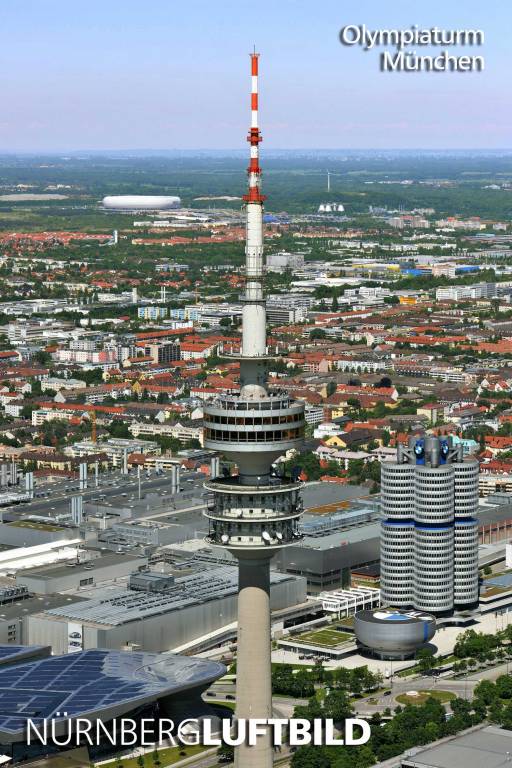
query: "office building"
429, 532
163, 352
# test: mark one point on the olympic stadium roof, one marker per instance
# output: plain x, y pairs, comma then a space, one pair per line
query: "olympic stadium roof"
97, 683
141, 202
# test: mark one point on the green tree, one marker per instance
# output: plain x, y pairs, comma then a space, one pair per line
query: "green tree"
311, 757
226, 753
26, 411
426, 661
504, 687
485, 691
331, 388
337, 706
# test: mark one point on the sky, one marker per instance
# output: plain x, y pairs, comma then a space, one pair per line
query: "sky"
174, 74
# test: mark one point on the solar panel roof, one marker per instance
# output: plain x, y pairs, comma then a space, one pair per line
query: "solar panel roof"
89, 682
12, 654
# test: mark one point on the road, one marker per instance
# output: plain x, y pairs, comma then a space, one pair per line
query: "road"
463, 687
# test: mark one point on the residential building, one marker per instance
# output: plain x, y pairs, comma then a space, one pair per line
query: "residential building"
152, 313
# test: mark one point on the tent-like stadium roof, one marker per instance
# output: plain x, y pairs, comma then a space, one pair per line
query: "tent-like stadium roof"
94, 683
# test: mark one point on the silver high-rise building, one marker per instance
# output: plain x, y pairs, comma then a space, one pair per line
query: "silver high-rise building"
429, 530
256, 512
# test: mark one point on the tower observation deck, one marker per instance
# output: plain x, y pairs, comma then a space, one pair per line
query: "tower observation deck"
256, 512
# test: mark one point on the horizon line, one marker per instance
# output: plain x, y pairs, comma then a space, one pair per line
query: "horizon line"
241, 150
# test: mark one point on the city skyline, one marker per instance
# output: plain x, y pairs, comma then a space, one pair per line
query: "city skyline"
147, 80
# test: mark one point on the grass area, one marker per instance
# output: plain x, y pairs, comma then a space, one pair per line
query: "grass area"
35, 526
421, 698
327, 637
495, 591
407, 672
497, 573
167, 756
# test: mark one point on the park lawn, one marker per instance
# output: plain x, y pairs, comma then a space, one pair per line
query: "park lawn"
167, 756
421, 698
329, 638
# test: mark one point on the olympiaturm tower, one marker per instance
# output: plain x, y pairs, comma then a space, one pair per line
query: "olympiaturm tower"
255, 513
429, 532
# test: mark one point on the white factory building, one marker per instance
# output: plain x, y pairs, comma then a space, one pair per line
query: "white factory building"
192, 607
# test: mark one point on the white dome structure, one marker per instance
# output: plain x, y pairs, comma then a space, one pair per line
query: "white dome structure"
141, 202
331, 208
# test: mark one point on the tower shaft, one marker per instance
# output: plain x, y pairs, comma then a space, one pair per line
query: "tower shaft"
253, 680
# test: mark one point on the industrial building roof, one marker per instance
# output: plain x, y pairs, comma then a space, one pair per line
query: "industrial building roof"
349, 536
92, 683
64, 569
321, 525
116, 607
494, 514
489, 746
22, 608
317, 494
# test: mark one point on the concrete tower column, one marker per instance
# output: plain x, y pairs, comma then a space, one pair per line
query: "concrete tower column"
253, 669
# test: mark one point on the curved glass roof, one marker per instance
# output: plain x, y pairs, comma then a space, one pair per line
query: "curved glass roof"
88, 682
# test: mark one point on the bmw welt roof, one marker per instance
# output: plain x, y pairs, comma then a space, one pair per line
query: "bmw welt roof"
141, 202
94, 683
15, 654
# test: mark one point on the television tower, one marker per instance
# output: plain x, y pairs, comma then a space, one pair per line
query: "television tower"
257, 512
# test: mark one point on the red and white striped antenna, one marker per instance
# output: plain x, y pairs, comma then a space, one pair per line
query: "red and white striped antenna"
254, 137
